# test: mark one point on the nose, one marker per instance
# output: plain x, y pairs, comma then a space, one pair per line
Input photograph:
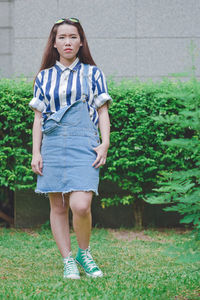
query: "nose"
67, 41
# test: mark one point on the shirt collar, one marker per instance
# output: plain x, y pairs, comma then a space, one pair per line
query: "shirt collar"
73, 67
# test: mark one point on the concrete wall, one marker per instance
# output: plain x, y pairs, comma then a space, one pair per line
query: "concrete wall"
127, 38
6, 38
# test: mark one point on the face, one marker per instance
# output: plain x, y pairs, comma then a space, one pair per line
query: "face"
67, 43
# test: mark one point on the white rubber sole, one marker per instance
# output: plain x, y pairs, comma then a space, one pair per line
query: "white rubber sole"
72, 277
98, 274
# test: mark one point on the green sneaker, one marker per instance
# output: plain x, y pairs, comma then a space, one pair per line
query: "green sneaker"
70, 268
85, 260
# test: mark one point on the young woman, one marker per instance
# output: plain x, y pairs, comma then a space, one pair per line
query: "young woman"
70, 103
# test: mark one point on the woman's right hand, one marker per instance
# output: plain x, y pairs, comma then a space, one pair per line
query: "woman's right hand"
37, 164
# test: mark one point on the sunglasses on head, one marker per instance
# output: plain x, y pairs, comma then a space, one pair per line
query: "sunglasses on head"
75, 20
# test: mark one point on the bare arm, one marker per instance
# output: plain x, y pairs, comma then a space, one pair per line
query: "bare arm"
36, 163
104, 126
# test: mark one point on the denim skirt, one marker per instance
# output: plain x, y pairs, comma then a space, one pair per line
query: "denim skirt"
69, 136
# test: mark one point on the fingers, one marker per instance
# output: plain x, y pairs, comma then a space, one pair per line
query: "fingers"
101, 156
99, 161
37, 167
102, 162
40, 167
96, 161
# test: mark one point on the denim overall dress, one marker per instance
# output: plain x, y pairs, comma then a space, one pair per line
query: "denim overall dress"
69, 136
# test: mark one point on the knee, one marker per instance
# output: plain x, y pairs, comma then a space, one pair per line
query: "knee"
58, 208
81, 210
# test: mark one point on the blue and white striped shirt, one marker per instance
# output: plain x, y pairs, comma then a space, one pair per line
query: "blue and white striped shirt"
61, 86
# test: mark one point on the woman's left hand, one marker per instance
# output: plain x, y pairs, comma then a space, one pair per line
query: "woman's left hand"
101, 151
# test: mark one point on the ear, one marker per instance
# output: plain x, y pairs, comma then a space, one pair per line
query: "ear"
54, 45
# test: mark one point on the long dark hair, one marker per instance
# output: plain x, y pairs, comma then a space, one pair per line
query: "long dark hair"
51, 54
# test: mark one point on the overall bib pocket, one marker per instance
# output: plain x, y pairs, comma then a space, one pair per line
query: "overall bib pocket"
72, 116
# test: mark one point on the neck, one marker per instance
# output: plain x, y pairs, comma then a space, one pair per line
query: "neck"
67, 62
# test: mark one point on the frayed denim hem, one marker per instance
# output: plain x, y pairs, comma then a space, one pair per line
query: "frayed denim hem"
65, 192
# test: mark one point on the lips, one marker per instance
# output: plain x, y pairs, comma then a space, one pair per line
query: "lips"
67, 49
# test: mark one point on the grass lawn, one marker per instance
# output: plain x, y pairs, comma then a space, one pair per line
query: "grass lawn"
134, 265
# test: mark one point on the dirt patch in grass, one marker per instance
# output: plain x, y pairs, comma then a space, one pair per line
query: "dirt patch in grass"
178, 230
130, 235
29, 231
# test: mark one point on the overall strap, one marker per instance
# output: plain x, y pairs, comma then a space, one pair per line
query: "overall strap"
85, 80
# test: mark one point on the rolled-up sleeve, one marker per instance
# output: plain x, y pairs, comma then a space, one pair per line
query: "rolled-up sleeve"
37, 101
101, 95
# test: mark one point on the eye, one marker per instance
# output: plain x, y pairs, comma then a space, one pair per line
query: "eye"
74, 37
61, 37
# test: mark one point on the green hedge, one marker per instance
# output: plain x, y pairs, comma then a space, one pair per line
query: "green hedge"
16, 134
136, 154
181, 189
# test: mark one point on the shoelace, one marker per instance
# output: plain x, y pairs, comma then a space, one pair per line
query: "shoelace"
70, 265
87, 258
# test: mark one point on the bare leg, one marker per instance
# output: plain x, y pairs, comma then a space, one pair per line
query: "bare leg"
80, 204
59, 218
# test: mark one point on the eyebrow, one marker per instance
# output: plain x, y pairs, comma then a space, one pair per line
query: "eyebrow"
66, 34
